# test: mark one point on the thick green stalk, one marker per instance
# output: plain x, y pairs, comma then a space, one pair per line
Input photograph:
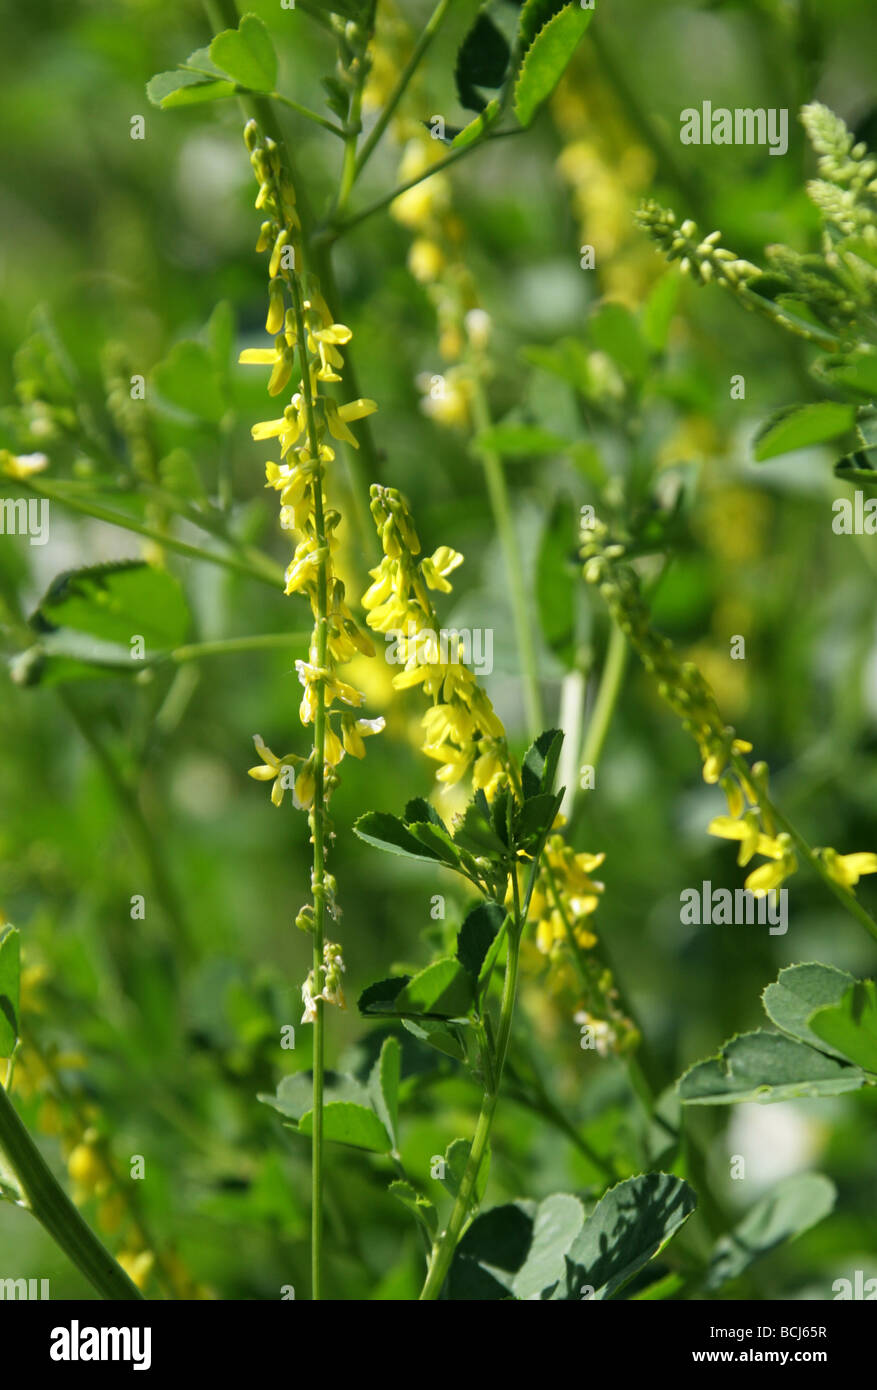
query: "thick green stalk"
51, 1206
500, 505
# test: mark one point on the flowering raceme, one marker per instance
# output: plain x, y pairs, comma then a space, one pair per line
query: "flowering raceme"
308, 340
462, 730
751, 819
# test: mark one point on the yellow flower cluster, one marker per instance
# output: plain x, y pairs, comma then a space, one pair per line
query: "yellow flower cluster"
434, 256
751, 819
462, 730
565, 896
606, 170
303, 327
563, 903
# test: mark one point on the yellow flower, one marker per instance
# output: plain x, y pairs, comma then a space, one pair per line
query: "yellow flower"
438, 566
22, 466
271, 769
426, 260
353, 731
771, 875
848, 868
86, 1170
138, 1267
338, 416
747, 830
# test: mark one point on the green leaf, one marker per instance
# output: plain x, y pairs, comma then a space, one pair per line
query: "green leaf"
567, 359
800, 426
481, 62
546, 59
766, 1067
383, 1085
419, 810
535, 818
182, 88
10, 970
798, 991
379, 999
614, 330
295, 1093
436, 839
456, 1158
346, 1123
850, 1025
188, 379
859, 468
520, 441
115, 602
535, 14
473, 831
796, 1204
444, 1037
247, 54
64, 656
626, 1229
419, 1206
444, 989
855, 372
540, 763
389, 833
477, 934
557, 1224
476, 128
491, 1253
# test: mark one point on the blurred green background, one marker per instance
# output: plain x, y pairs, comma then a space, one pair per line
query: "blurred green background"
176, 1019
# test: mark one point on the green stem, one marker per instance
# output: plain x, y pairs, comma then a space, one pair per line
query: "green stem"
266, 572
318, 811
429, 32
843, 894
443, 1250
265, 641
330, 233
51, 1206
305, 111
607, 697
524, 625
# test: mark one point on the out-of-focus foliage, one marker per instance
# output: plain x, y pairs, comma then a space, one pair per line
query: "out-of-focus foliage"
154, 889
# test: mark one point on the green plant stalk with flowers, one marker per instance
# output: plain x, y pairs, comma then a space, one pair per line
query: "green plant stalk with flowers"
510, 846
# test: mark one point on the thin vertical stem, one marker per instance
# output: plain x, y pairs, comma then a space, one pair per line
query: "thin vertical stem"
318, 884
502, 514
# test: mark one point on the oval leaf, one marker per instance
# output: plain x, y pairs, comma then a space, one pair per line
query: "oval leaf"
247, 54
800, 426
